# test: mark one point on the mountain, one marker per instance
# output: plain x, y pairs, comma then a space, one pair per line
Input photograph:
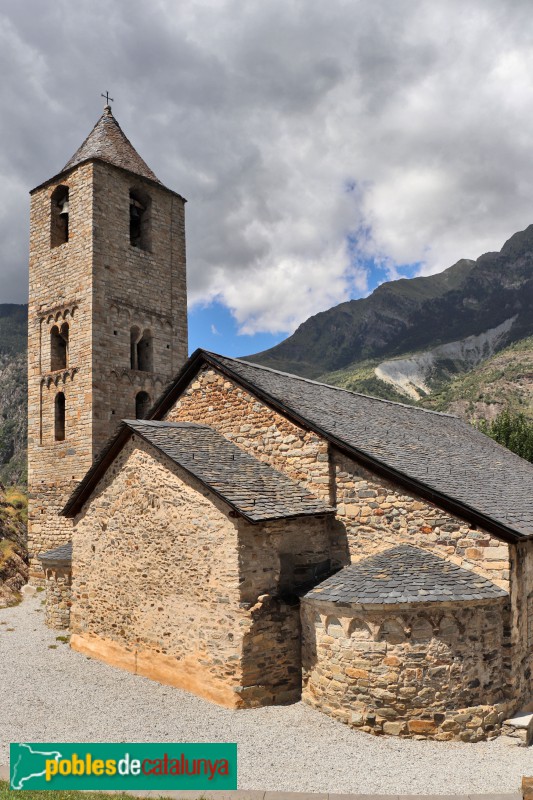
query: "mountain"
13, 394
413, 339
459, 341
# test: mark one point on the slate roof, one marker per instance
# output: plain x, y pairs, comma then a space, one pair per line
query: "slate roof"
108, 142
60, 555
404, 574
437, 455
254, 489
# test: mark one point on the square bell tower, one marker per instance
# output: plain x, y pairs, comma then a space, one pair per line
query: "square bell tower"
107, 314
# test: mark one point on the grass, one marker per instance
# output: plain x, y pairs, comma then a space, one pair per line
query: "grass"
7, 794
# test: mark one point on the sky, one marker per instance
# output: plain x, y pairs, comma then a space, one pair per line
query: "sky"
323, 148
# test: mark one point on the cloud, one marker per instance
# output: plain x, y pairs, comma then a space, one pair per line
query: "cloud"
311, 141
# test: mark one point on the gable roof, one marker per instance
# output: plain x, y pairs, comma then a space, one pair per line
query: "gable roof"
437, 456
108, 142
405, 574
252, 488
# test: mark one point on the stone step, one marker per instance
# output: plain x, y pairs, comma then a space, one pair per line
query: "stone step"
519, 728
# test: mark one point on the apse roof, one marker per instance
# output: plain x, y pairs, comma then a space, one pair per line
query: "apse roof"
404, 574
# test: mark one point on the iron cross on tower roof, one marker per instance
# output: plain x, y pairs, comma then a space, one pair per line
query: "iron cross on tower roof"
107, 98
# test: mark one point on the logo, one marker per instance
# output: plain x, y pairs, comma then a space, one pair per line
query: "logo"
123, 766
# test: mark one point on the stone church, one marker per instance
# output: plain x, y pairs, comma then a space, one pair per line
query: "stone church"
245, 534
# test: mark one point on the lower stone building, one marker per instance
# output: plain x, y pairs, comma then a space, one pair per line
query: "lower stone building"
262, 537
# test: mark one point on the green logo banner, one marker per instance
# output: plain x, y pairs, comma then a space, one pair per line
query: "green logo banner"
123, 766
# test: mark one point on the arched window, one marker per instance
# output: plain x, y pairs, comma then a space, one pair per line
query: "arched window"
59, 347
141, 350
140, 220
59, 417
59, 216
142, 405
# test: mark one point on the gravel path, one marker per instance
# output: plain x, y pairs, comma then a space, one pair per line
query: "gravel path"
54, 694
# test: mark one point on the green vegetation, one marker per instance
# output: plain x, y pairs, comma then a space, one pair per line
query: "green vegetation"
514, 431
13, 555
7, 794
362, 378
13, 518
503, 381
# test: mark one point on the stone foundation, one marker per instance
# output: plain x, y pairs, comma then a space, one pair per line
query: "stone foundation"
188, 673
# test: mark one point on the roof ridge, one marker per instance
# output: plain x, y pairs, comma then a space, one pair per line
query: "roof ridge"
337, 388
162, 423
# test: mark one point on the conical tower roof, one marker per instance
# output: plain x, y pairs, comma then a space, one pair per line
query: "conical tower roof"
108, 142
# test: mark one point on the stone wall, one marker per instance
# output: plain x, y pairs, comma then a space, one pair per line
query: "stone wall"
522, 631
439, 671
101, 286
156, 580
58, 596
275, 559
214, 400
135, 288
377, 514
272, 654
168, 584
372, 513
60, 292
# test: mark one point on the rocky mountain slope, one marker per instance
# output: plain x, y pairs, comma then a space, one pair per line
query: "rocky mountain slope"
13, 402
504, 380
460, 341
13, 553
429, 339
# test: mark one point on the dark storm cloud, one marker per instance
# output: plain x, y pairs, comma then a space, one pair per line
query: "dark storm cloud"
262, 114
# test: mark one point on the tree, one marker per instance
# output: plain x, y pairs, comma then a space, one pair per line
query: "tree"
511, 429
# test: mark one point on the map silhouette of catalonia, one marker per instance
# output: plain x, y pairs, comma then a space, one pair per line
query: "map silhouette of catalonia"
29, 763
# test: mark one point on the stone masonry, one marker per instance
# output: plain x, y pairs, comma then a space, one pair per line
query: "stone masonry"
101, 286
171, 584
437, 671
372, 513
58, 596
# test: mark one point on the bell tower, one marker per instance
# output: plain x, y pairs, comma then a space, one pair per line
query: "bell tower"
107, 314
